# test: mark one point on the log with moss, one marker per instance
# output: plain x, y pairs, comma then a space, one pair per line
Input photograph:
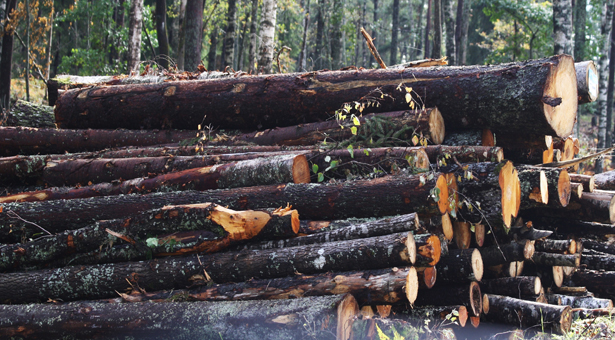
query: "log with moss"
546, 86
328, 317
260, 171
29, 114
103, 280
390, 195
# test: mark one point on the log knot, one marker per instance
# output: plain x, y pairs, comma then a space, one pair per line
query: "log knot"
551, 101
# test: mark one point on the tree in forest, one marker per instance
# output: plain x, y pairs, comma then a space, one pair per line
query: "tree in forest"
394, 32
253, 36
336, 34
427, 49
448, 13
161, 30
265, 61
134, 34
8, 27
562, 27
437, 29
194, 34
580, 22
302, 61
229, 37
603, 73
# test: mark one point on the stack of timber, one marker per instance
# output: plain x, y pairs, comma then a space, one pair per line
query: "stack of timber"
365, 197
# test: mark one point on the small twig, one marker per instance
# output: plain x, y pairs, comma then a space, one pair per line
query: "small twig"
13, 214
278, 56
120, 236
372, 48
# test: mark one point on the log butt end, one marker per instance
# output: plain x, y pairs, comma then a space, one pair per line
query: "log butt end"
447, 227
537, 286
347, 309
477, 265
411, 248
421, 159
436, 126
511, 192
476, 299
563, 188
301, 170
442, 185
561, 83
412, 285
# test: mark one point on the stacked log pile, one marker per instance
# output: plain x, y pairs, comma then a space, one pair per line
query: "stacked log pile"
367, 221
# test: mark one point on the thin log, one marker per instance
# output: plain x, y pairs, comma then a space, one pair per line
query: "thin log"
468, 295
472, 138
261, 171
103, 280
576, 189
372, 48
534, 186
552, 259
513, 251
550, 107
330, 315
568, 246
588, 181
588, 302
512, 286
464, 154
428, 250
587, 81
315, 227
460, 265
32, 141
598, 262
504, 309
29, 114
427, 277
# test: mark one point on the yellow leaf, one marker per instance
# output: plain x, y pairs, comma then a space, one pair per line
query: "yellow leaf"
412, 105
408, 89
356, 121
415, 140
353, 130
381, 334
408, 97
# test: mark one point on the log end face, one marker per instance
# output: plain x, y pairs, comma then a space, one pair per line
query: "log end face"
499, 152
487, 138
411, 248
537, 285
558, 276
430, 275
463, 315
544, 188
295, 222
347, 309
592, 82
447, 227
434, 242
528, 249
563, 188
511, 192
565, 321
476, 299
477, 265
421, 159
412, 285
612, 210
301, 170
436, 126
443, 195
561, 83
485, 304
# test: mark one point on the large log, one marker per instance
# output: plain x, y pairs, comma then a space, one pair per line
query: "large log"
470, 97
601, 283
504, 309
103, 280
597, 206
260, 171
32, 141
605, 180
29, 114
172, 230
460, 265
587, 81
503, 253
512, 286
390, 195
468, 295
328, 317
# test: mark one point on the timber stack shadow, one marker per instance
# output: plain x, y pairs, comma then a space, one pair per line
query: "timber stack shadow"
365, 200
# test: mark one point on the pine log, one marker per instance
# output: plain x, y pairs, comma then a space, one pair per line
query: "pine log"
463, 154
577, 190
588, 181
587, 81
32, 141
513, 251
178, 230
440, 313
428, 250
601, 283
597, 206
460, 265
588, 302
509, 269
605, 180
599, 262
102, 281
467, 294
472, 138
504, 309
426, 123
390, 195
331, 317
512, 286
408, 222
427, 277
550, 276
462, 234
568, 246
534, 187
479, 234
549, 96
552, 259
261, 171
29, 114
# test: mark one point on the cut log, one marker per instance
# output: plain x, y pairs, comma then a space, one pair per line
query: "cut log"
522, 148
597, 206
572, 226
29, 114
600, 283
509, 269
261, 171
599, 262
574, 291
534, 186
409, 222
479, 234
588, 181
32, 141
588, 302
427, 277
587, 81
605, 180
504, 309
568, 246
462, 234
472, 138
402, 125
549, 102
428, 250
460, 265
551, 259
566, 147
463, 154
102, 281
512, 286
331, 317
468, 295
576, 189
604, 247
173, 230
513, 251
550, 276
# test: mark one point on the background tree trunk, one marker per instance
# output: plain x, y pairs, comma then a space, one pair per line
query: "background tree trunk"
253, 37
437, 32
462, 46
562, 27
213, 47
194, 34
609, 91
161, 31
265, 61
229, 37
6, 61
134, 34
337, 17
181, 39
319, 54
427, 30
419, 30
605, 29
374, 30
301, 63
394, 32
449, 22
580, 20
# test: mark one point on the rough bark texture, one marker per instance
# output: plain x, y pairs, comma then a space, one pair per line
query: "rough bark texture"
24, 140
557, 319
598, 282
240, 102
388, 196
194, 35
568, 246
513, 251
436, 51
605, 180
551, 259
267, 31
260, 171
464, 154
589, 302
468, 295
591, 207
460, 265
562, 27
329, 315
587, 81
102, 281
6, 61
24, 113
603, 247
588, 181
512, 286
134, 35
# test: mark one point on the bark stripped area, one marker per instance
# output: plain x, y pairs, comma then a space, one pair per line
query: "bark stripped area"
548, 87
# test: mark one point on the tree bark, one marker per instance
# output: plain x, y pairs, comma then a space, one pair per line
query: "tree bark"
437, 34
25, 113
302, 62
161, 32
394, 32
25, 140
599, 262
587, 81
253, 37
468, 295
588, 181
589, 302
409, 222
103, 280
428, 250
194, 35
391, 195
427, 277
605, 30
504, 309
460, 265
335, 34
512, 286
330, 316
580, 20
610, 87
568, 246
591, 207
267, 46
427, 49
562, 27
513, 251
313, 97
134, 35
551, 259
448, 12
598, 282
6, 59
604, 181
264, 171
229, 38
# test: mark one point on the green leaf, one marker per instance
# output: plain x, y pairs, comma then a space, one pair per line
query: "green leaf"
366, 151
321, 177
350, 150
152, 242
355, 120
315, 168
353, 130
381, 335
